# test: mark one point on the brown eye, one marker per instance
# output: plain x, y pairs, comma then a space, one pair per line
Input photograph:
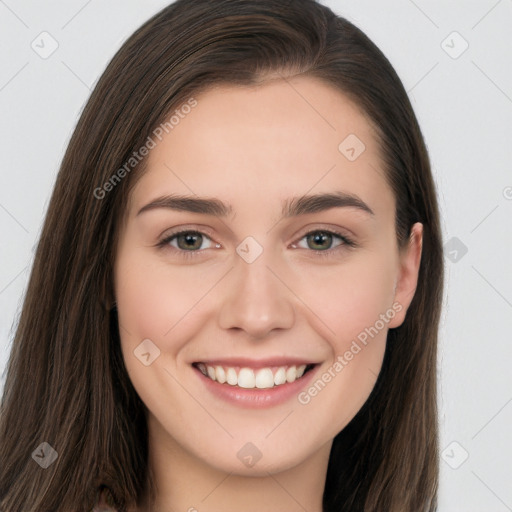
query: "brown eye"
191, 241
319, 240
325, 243
323, 240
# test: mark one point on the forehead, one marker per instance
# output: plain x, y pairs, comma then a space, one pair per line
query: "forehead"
249, 144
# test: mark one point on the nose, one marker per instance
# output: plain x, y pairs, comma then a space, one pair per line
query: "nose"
256, 300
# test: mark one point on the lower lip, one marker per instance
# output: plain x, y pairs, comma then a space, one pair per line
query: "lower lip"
257, 398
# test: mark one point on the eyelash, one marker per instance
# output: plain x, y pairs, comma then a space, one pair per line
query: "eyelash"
346, 242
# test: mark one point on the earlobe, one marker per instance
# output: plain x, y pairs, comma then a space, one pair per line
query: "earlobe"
407, 280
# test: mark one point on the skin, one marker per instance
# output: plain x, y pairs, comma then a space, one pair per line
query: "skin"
254, 147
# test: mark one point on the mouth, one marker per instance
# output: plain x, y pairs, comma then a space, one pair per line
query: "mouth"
248, 377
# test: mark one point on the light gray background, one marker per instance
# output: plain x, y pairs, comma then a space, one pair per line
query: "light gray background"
464, 106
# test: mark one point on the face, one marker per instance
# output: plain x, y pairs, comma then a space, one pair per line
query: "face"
284, 303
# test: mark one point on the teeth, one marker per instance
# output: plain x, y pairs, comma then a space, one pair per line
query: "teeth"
291, 374
246, 378
264, 378
280, 376
220, 374
249, 379
300, 371
231, 377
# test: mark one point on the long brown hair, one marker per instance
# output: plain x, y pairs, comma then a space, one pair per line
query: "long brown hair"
66, 382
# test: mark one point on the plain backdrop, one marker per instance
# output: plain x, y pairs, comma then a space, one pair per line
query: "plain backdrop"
454, 58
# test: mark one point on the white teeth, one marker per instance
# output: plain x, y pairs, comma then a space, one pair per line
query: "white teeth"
232, 377
220, 374
248, 378
264, 378
291, 374
280, 376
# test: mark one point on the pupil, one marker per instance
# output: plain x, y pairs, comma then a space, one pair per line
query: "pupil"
190, 241
320, 238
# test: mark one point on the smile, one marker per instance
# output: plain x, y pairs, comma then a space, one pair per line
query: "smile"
255, 384
248, 378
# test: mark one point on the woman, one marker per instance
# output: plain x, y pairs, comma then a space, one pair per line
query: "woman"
235, 300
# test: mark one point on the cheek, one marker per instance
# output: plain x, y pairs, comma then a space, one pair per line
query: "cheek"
152, 300
355, 302
142, 302
351, 297
158, 304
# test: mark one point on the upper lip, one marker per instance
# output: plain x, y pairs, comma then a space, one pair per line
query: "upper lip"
257, 363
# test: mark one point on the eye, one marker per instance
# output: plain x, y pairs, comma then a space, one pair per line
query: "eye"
323, 240
190, 241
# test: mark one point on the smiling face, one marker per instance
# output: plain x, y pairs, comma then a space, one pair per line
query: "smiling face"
260, 287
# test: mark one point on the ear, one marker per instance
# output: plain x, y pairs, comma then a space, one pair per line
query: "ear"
405, 286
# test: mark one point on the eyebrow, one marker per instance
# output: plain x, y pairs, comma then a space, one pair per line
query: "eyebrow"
291, 207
